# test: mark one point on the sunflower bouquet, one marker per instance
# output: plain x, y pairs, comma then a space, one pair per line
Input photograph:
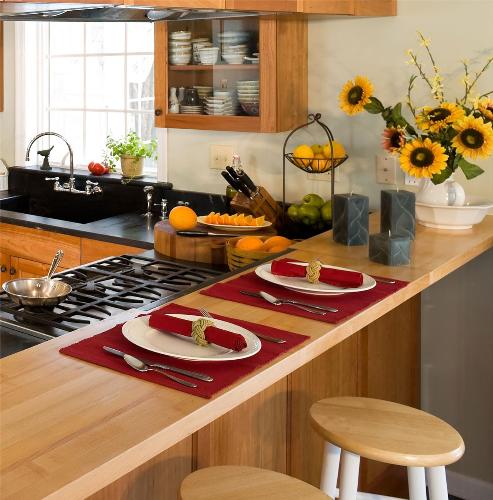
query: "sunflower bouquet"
446, 134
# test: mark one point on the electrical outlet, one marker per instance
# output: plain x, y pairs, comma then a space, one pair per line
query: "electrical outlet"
409, 180
386, 169
220, 156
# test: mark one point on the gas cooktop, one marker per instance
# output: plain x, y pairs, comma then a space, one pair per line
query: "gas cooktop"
103, 289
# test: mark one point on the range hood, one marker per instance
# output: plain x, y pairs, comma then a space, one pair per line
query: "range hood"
79, 12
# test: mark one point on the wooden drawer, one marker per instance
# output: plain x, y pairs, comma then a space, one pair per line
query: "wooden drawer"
92, 250
39, 245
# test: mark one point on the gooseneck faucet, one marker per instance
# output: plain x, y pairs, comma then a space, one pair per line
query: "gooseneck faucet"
68, 187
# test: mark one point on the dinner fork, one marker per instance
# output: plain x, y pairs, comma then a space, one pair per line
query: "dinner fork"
206, 314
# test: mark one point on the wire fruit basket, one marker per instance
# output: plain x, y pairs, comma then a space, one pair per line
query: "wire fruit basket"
315, 165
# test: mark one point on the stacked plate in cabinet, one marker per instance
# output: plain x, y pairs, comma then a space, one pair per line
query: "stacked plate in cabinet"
218, 106
191, 110
180, 47
249, 96
203, 91
234, 46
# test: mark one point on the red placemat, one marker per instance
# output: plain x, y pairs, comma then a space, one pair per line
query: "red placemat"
225, 373
348, 304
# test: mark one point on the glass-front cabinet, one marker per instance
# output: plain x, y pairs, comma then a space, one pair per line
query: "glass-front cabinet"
239, 74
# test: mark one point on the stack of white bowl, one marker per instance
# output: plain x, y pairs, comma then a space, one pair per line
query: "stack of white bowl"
249, 96
197, 44
230, 96
208, 55
219, 106
234, 46
180, 47
203, 91
191, 110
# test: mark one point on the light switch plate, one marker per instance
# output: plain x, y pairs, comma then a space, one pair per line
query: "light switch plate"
409, 180
386, 169
220, 156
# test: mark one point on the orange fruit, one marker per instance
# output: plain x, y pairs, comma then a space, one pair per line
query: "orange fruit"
223, 219
276, 241
319, 163
259, 221
240, 220
249, 220
209, 218
249, 243
277, 249
182, 218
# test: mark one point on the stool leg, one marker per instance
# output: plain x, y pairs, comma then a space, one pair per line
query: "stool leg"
348, 485
330, 469
416, 483
437, 483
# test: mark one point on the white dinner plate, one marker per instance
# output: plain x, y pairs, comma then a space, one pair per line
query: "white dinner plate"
140, 333
227, 227
304, 286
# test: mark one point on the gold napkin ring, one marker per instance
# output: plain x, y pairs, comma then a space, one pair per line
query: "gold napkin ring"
313, 271
198, 330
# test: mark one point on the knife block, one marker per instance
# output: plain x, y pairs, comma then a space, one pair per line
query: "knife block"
260, 204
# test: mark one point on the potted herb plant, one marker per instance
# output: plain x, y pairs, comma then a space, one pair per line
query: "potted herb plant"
131, 151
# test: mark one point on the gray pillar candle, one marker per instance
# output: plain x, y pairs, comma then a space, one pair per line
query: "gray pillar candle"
398, 212
350, 219
390, 249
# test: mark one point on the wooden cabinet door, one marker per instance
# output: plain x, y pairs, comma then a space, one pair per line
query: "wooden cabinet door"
265, 5
5, 267
29, 268
187, 4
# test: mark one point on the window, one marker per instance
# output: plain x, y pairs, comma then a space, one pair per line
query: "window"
88, 80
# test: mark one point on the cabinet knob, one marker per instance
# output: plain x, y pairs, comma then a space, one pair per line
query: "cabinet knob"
3, 269
12, 271
158, 112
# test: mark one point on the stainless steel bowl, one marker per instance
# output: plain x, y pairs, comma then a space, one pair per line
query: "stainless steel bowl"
37, 292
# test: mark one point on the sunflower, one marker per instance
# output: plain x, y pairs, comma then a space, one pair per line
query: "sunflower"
435, 119
485, 106
474, 138
354, 95
423, 158
393, 139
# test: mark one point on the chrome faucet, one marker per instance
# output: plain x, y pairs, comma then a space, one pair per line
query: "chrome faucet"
67, 187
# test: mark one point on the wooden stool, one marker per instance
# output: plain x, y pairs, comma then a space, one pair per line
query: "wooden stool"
232, 482
387, 432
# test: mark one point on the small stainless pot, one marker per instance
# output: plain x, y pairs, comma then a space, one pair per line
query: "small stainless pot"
37, 292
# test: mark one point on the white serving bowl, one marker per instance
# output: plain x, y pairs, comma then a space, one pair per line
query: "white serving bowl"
180, 60
233, 59
453, 217
179, 43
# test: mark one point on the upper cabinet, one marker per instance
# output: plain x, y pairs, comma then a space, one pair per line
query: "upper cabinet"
245, 74
334, 7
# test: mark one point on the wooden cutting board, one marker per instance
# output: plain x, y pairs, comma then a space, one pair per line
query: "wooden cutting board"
207, 249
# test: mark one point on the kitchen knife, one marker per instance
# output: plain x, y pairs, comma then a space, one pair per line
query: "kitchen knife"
205, 233
236, 184
197, 375
242, 175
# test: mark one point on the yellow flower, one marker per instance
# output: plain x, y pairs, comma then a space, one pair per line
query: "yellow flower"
354, 95
474, 138
485, 106
423, 158
435, 119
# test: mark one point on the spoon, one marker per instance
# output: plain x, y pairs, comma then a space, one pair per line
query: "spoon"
140, 366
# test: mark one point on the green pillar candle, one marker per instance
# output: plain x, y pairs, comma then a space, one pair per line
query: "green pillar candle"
397, 212
390, 249
350, 219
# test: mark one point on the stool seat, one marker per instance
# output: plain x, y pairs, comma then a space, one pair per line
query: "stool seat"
245, 483
387, 432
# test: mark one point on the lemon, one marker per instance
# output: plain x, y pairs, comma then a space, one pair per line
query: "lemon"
317, 149
303, 155
339, 150
319, 163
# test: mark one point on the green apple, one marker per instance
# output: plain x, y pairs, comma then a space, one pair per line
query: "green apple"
309, 214
326, 211
313, 199
293, 213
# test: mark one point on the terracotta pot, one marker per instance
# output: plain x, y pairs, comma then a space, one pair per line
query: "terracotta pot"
132, 166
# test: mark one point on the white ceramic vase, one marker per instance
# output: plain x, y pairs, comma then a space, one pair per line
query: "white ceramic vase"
449, 193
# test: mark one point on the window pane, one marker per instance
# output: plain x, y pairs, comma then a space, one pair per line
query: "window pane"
140, 37
104, 77
98, 126
142, 124
105, 37
70, 125
66, 82
66, 38
140, 76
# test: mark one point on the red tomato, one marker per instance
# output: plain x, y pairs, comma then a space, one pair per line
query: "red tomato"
98, 169
89, 167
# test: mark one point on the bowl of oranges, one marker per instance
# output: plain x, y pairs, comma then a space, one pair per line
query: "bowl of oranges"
318, 158
249, 249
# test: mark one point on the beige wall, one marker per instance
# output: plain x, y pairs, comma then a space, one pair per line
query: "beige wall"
340, 48
7, 132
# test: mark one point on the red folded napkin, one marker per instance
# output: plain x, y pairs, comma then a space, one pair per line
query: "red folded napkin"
329, 275
182, 327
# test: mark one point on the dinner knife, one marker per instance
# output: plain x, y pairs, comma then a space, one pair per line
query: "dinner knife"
262, 295
197, 375
204, 233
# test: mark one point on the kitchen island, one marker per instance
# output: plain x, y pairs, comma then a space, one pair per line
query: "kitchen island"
71, 429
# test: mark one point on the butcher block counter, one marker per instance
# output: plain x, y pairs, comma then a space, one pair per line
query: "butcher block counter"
71, 429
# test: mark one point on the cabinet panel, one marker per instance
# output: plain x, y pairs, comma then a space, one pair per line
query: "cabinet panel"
265, 5
192, 4
252, 434
5, 267
91, 250
29, 268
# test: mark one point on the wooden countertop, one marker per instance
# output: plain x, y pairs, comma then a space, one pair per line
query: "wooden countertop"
69, 428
